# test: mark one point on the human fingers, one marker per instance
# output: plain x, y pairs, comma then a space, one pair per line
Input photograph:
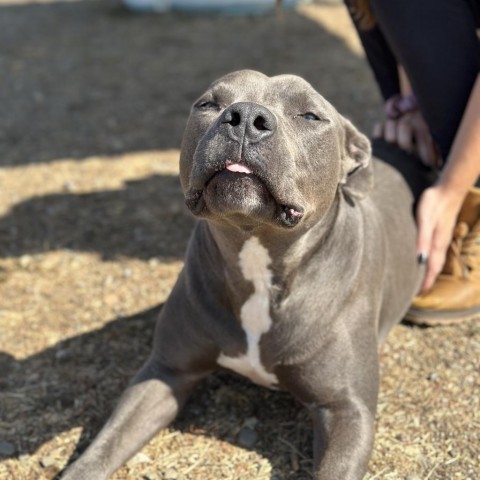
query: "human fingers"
426, 225
425, 147
390, 130
435, 264
425, 151
436, 216
441, 239
377, 131
405, 133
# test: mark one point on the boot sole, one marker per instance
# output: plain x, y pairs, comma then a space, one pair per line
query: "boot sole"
444, 317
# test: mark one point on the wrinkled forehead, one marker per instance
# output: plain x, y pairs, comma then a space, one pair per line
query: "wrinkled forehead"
288, 91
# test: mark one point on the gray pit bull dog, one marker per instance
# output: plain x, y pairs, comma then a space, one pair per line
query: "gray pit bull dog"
295, 272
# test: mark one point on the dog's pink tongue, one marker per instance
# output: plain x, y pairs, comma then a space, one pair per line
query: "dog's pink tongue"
238, 168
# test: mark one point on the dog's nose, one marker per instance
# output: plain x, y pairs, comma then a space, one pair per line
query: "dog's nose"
249, 121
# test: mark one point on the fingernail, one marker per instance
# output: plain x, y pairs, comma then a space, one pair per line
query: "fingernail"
422, 258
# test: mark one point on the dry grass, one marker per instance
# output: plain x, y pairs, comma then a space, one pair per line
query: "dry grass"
93, 230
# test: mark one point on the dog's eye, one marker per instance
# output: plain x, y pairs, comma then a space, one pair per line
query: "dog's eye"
208, 105
310, 116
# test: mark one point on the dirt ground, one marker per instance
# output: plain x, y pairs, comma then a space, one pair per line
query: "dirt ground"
93, 101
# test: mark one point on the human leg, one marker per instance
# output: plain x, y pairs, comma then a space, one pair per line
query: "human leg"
436, 42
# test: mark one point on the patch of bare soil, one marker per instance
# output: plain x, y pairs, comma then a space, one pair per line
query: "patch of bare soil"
93, 231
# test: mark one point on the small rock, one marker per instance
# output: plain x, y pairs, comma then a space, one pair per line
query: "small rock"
47, 461
25, 261
247, 437
250, 422
62, 354
171, 474
151, 476
153, 262
6, 448
69, 186
412, 476
140, 458
117, 144
453, 453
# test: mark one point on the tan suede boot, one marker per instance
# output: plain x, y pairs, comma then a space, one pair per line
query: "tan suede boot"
455, 296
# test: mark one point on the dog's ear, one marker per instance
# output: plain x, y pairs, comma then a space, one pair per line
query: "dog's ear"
356, 170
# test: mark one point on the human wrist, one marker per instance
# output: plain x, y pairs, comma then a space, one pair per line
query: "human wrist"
453, 181
453, 194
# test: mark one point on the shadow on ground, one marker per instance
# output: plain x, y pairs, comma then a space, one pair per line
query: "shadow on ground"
145, 219
86, 78
76, 383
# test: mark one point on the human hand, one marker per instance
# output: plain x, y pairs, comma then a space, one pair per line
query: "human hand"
437, 213
405, 126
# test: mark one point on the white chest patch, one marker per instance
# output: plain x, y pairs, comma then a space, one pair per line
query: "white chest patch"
254, 315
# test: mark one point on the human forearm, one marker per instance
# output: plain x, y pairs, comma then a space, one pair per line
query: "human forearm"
462, 168
439, 205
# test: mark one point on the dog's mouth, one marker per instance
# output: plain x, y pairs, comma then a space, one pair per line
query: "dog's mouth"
242, 179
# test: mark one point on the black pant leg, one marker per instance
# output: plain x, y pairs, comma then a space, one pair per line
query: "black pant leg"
436, 42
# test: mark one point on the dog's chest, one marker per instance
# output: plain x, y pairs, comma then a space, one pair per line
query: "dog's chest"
255, 316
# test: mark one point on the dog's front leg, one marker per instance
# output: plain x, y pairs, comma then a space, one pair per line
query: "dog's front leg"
343, 439
339, 386
150, 403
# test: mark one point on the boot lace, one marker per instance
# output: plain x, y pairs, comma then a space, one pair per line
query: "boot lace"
465, 247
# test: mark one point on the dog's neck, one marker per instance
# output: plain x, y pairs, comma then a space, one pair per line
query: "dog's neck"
286, 249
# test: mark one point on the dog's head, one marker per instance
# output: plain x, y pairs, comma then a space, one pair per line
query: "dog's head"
269, 150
